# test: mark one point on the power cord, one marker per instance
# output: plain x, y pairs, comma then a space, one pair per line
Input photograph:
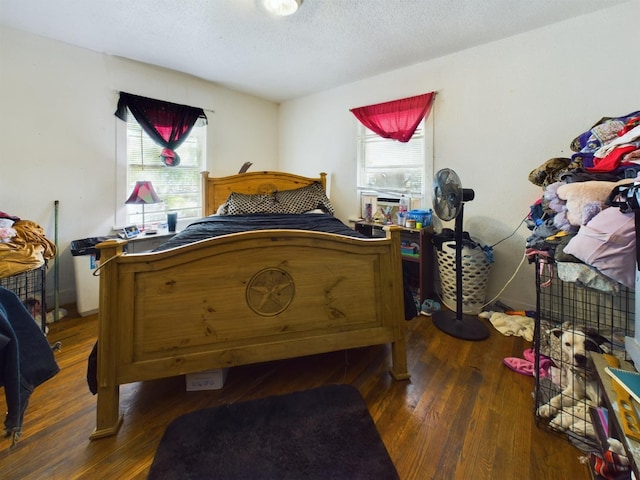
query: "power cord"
524, 257
512, 234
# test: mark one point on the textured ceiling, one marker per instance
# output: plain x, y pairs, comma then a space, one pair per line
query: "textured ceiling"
237, 44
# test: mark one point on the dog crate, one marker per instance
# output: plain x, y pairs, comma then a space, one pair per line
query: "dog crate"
605, 310
29, 286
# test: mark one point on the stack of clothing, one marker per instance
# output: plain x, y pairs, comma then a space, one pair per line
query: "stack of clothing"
25, 248
580, 223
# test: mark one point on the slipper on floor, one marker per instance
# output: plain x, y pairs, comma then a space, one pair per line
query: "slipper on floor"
519, 365
530, 355
544, 363
429, 306
545, 367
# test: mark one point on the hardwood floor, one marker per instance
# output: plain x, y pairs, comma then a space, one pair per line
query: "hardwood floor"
463, 415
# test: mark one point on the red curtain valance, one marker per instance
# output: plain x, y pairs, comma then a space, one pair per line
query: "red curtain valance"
397, 119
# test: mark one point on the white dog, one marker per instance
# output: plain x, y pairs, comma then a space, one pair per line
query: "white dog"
570, 408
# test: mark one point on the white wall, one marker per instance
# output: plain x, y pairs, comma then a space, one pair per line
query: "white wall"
502, 109
57, 132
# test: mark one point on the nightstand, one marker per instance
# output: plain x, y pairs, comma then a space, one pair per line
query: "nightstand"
418, 267
145, 242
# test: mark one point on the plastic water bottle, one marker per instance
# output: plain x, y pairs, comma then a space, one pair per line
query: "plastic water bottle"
404, 205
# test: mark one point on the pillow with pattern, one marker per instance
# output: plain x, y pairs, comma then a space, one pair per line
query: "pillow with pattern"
301, 200
244, 204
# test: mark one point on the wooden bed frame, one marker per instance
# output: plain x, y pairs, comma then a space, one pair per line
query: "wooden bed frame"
243, 298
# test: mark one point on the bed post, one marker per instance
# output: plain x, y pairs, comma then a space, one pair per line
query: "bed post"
108, 418
323, 180
399, 369
205, 193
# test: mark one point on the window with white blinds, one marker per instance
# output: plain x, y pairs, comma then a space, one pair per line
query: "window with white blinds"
390, 168
179, 187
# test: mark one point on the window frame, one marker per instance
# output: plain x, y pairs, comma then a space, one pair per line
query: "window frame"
124, 186
419, 198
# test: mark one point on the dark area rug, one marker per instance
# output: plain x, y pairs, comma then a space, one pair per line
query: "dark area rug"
323, 433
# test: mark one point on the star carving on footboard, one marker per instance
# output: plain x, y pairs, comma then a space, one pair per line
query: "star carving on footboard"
270, 292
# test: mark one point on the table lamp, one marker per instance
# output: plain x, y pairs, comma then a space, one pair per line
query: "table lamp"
143, 194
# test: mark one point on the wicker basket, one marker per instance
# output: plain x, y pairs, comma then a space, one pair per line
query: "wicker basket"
475, 276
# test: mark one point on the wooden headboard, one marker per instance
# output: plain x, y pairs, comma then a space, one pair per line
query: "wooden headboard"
217, 190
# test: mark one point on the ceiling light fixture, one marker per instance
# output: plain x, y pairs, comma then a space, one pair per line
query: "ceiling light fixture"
282, 7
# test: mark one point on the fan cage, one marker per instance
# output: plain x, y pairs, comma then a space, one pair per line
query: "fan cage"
475, 277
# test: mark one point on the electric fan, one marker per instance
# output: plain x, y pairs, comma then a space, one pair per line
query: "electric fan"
448, 203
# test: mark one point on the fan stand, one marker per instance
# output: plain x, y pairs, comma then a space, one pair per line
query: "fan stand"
457, 324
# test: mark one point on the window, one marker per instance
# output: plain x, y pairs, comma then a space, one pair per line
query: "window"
179, 187
388, 168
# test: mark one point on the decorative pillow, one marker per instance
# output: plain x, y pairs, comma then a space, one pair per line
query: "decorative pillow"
608, 244
243, 204
301, 200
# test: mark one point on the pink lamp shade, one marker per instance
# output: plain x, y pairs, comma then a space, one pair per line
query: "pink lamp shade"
143, 193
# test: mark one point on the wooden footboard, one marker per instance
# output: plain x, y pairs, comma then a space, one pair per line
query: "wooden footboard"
241, 299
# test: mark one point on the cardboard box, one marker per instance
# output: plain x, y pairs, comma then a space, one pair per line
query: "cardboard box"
207, 380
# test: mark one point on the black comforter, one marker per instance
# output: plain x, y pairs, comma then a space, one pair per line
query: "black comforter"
215, 226
223, 225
